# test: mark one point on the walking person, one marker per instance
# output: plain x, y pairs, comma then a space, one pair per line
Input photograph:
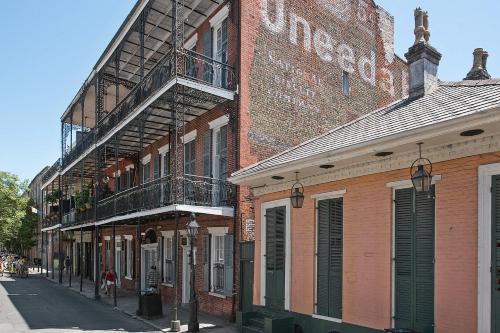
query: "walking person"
67, 265
110, 281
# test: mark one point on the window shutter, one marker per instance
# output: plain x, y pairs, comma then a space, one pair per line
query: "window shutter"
207, 154
322, 304
223, 153
156, 166
207, 52
228, 265
206, 263
404, 258
132, 268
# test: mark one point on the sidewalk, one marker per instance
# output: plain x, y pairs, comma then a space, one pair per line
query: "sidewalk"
127, 302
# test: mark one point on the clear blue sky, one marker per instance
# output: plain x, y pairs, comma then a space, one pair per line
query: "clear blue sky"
49, 47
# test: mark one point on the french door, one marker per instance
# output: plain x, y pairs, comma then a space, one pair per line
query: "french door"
275, 257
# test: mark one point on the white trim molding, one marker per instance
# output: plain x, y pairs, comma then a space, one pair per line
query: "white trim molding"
188, 137
191, 42
218, 231
146, 159
288, 255
164, 149
329, 195
219, 122
107, 238
167, 233
128, 237
484, 246
335, 320
130, 166
405, 183
220, 16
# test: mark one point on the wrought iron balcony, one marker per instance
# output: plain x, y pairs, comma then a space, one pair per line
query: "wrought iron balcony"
196, 191
50, 220
79, 216
52, 171
80, 147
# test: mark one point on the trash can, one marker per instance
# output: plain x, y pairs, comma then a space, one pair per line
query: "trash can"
151, 306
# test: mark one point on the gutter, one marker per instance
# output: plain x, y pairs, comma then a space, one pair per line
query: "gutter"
411, 136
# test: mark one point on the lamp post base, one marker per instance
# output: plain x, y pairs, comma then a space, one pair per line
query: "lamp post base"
193, 327
175, 326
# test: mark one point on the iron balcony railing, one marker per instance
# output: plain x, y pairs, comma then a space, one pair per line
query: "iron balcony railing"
79, 216
80, 147
196, 190
52, 171
50, 220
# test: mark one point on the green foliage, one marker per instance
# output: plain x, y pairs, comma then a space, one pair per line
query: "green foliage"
53, 197
17, 222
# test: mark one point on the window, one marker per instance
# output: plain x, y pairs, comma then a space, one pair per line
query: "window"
118, 183
129, 177
189, 158
156, 167
346, 85
107, 260
220, 153
166, 164
329, 258
146, 172
168, 268
220, 52
217, 261
129, 258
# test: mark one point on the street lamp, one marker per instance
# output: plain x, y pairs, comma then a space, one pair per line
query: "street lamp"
192, 228
422, 177
297, 193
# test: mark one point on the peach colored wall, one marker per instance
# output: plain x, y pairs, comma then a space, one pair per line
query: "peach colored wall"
367, 295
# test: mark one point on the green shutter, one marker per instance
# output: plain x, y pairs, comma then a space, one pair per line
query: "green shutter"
275, 258
156, 167
223, 153
228, 265
414, 260
329, 258
495, 255
206, 262
207, 154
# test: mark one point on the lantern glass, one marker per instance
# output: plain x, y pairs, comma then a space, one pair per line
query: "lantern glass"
421, 180
192, 227
297, 198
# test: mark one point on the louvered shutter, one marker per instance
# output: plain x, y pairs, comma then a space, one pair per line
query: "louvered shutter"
414, 261
275, 257
322, 283
206, 263
207, 154
228, 265
207, 52
223, 153
404, 257
329, 279
495, 193
156, 167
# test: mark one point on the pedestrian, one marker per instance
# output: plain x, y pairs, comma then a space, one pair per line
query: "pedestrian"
2, 262
67, 264
153, 280
110, 281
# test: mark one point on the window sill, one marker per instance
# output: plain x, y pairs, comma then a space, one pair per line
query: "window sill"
335, 320
128, 278
167, 284
215, 294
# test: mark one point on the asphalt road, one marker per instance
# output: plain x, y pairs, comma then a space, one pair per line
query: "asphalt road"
35, 304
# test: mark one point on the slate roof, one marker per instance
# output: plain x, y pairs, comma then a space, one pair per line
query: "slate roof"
450, 100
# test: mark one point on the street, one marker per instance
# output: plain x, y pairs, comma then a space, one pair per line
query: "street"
36, 304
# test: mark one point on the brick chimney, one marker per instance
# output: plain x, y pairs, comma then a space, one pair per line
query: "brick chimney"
478, 71
423, 59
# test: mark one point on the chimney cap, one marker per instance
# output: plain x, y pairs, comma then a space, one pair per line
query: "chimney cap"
478, 70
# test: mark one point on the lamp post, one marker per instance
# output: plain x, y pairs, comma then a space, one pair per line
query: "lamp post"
192, 231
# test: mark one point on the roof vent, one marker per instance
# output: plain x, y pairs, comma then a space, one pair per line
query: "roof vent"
423, 59
478, 71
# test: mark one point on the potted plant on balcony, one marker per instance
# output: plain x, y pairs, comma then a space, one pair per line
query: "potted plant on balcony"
53, 197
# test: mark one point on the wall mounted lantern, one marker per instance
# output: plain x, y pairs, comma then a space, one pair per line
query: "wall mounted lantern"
297, 193
421, 172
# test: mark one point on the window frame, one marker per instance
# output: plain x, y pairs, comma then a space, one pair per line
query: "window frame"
216, 233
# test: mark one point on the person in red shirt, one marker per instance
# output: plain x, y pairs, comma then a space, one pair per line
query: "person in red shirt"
110, 281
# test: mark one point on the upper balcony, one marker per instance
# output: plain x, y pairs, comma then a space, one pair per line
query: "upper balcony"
52, 173
140, 69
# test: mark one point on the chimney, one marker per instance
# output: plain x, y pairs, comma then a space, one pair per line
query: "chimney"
478, 71
423, 59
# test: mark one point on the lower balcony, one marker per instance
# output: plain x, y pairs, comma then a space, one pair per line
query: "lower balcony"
80, 216
195, 194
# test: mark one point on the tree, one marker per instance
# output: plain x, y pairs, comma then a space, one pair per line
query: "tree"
17, 221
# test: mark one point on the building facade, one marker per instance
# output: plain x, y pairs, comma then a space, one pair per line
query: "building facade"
366, 251
35, 194
185, 94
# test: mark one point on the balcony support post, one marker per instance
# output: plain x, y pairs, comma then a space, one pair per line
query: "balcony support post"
70, 258
41, 254
116, 174
96, 264
47, 254
114, 264
138, 239
81, 259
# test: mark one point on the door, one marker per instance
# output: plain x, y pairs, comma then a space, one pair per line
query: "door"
219, 165
118, 261
275, 258
495, 256
220, 52
246, 275
149, 257
414, 260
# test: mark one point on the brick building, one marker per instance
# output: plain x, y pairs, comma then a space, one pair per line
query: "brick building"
366, 251
185, 94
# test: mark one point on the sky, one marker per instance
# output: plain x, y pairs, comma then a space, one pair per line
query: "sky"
49, 47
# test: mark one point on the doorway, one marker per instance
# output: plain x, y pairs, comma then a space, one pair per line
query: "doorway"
275, 257
149, 255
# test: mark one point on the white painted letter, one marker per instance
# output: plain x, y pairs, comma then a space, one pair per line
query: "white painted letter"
346, 58
364, 62
323, 45
294, 20
275, 27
